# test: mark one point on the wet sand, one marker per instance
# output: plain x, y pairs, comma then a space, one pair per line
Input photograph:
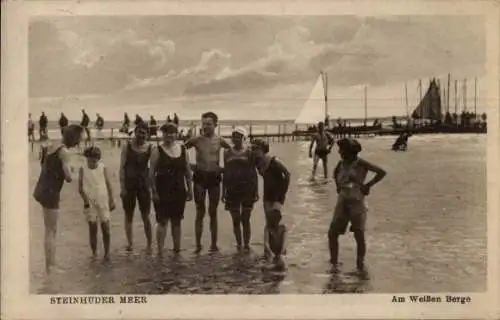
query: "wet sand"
426, 232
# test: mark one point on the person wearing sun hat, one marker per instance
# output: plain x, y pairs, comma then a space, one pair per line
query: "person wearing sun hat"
240, 186
349, 176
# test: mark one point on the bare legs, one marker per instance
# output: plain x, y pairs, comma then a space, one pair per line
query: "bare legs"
213, 203
50, 222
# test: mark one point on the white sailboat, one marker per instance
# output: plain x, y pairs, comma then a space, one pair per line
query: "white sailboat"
316, 108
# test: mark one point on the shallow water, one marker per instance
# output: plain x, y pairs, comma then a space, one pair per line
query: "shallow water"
426, 231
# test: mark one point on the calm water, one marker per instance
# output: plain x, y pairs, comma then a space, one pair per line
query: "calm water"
426, 231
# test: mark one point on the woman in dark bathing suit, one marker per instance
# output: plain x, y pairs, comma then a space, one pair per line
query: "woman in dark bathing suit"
170, 178
55, 170
134, 182
240, 186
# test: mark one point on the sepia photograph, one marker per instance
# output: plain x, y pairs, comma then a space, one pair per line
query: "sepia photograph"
182, 114
210, 154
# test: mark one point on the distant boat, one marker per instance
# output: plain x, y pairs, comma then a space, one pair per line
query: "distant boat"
430, 107
315, 109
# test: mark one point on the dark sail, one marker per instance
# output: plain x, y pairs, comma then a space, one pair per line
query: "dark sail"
430, 106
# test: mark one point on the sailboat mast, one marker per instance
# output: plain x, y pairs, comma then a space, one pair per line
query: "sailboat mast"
465, 94
325, 85
366, 104
406, 100
448, 96
475, 96
456, 96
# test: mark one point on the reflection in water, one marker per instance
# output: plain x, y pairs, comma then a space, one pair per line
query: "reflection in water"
349, 282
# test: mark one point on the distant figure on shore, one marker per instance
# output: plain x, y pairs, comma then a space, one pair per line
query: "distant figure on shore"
169, 119
31, 128
42, 124
55, 171
99, 122
207, 176
324, 143
176, 119
138, 120
153, 127
350, 175
85, 124
401, 143
63, 122
126, 124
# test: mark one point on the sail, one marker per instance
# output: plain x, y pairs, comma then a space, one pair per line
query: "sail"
313, 110
430, 106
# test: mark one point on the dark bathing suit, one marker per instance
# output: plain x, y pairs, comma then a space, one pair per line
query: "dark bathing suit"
275, 188
136, 180
240, 180
207, 179
171, 186
321, 147
48, 188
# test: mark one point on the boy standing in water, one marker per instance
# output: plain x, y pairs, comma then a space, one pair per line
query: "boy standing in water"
276, 182
349, 175
207, 176
240, 186
324, 144
134, 182
55, 170
95, 189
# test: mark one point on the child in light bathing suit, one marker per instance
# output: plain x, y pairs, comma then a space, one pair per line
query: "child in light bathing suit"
95, 189
276, 182
349, 175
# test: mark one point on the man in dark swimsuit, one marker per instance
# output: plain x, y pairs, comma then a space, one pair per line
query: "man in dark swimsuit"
63, 122
134, 181
207, 176
324, 144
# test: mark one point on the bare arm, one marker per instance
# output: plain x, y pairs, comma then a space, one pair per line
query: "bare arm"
191, 143
379, 173
224, 161
224, 144
189, 174
123, 159
109, 186
153, 160
80, 187
64, 156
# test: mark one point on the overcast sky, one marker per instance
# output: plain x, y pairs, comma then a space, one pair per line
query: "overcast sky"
148, 58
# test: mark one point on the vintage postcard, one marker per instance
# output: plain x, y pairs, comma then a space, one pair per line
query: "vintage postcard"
250, 159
